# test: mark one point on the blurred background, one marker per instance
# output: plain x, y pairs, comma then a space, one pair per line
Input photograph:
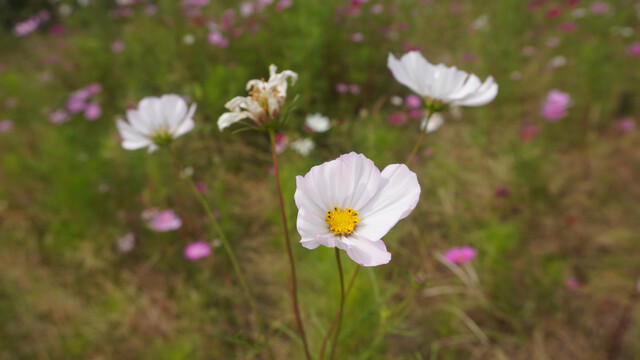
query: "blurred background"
550, 201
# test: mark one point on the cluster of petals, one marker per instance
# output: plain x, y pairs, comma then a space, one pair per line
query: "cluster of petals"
380, 200
441, 83
555, 105
80, 102
460, 255
265, 100
156, 121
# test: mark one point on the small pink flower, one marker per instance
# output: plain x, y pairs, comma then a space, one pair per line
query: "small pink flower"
553, 41
76, 105
93, 89
217, 39
57, 30
501, 192
26, 27
412, 101
58, 117
554, 12
626, 125
354, 89
117, 46
282, 143
201, 187
599, 7
197, 250
568, 27
416, 114
357, 37
377, 9
125, 243
398, 118
572, 284
93, 111
469, 57
634, 49
6, 125
460, 255
529, 132
342, 88
166, 220
282, 5
151, 10
555, 105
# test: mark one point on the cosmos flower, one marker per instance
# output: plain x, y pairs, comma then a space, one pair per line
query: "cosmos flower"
303, 146
349, 204
156, 122
440, 84
317, 123
555, 105
265, 100
166, 220
6, 125
126, 242
460, 255
93, 111
197, 250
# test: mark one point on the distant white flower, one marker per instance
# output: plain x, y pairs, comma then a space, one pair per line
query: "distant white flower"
156, 122
439, 83
303, 146
265, 100
396, 100
432, 124
349, 204
125, 243
189, 39
317, 122
480, 23
558, 61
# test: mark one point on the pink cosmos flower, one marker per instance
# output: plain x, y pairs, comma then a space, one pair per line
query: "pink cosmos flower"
554, 12
342, 88
397, 118
93, 89
354, 89
76, 105
57, 29
166, 220
282, 5
117, 46
357, 37
349, 204
634, 49
282, 143
197, 250
572, 284
201, 187
59, 116
217, 39
599, 7
6, 125
626, 125
26, 27
555, 105
416, 114
568, 27
93, 111
460, 255
412, 101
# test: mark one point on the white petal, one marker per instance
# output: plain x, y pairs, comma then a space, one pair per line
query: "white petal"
134, 145
184, 127
471, 85
139, 122
484, 95
366, 252
433, 123
411, 71
230, 118
151, 109
174, 109
127, 132
397, 197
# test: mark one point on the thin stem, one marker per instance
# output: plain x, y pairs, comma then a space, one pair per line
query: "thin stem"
231, 255
335, 335
287, 243
420, 138
335, 317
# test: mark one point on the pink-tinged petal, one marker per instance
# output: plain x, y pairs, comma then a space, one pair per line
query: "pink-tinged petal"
197, 250
396, 198
366, 252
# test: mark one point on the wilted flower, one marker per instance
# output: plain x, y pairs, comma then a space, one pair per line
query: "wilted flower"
166, 220
460, 255
264, 103
125, 243
317, 123
439, 84
349, 204
197, 250
156, 122
555, 105
303, 146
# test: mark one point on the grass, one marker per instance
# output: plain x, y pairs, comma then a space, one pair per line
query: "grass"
68, 191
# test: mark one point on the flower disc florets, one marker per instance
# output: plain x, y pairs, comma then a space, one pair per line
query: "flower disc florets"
342, 222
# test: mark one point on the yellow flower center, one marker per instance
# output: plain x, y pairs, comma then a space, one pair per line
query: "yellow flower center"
342, 222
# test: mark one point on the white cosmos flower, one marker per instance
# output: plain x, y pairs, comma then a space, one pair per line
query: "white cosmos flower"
317, 123
441, 83
349, 204
265, 100
303, 146
156, 122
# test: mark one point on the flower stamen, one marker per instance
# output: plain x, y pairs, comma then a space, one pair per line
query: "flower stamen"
342, 222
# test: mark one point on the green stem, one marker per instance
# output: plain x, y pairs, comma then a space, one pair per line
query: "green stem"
232, 257
420, 138
287, 244
335, 317
335, 335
